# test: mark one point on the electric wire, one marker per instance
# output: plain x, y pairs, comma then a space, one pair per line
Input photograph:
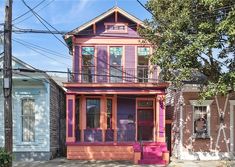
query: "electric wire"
22, 15
37, 11
35, 50
46, 50
130, 97
39, 18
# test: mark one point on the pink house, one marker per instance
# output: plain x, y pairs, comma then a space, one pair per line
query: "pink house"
115, 102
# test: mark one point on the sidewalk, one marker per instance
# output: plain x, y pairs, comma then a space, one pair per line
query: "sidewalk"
177, 163
63, 162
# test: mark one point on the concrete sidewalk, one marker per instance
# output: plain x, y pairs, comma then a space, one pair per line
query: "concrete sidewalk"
63, 162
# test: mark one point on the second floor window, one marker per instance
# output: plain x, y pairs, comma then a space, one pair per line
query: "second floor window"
28, 120
115, 64
143, 64
88, 68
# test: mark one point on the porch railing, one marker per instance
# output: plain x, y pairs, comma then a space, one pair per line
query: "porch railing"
114, 74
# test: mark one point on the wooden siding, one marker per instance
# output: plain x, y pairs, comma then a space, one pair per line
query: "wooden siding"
100, 152
41, 119
57, 120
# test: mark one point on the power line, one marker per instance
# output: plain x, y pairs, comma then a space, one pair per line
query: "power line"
49, 51
37, 79
40, 19
30, 47
23, 30
29, 10
45, 81
38, 11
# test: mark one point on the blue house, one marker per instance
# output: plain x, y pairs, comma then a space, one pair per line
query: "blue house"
38, 113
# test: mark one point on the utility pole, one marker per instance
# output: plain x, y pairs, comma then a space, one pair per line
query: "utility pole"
7, 76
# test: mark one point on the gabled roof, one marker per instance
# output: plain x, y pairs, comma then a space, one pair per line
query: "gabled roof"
17, 63
102, 16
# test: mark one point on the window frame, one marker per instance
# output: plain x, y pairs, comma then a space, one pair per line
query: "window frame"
91, 67
143, 68
116, 24
31, 115
120, 67
207, 104
100, 101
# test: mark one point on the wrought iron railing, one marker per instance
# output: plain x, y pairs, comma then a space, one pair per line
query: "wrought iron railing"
115, 74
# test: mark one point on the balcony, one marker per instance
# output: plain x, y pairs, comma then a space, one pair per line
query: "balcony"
115, 74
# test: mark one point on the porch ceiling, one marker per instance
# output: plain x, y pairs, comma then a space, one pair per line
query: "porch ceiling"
116, 88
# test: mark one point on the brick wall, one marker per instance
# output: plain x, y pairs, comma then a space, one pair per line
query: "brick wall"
205, 145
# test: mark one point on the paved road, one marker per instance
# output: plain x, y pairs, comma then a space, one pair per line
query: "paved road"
62, 162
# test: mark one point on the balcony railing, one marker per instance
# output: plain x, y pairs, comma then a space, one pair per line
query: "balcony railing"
115, 74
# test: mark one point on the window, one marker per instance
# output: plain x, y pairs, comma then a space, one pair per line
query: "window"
28, 120
93, 113
109, 113
201, 122
201, 118
115, 28
143, 63
145, 103
88, 67
115, 64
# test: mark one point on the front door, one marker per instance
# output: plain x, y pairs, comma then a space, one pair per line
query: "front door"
145, 119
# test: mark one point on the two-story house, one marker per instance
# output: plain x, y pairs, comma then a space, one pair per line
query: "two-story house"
115, 103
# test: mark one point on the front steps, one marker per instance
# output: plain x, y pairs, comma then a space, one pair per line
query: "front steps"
154, 153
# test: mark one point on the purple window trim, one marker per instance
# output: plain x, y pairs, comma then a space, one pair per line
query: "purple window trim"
76, 63
70, 118
161, 120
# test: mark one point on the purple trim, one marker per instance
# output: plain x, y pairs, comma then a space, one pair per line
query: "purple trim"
76, 63
130, 63
126, 119
92, 135
161, 119
102, 64
137, 147
100, 144
109, 135
70, 118
161, 144
113, 89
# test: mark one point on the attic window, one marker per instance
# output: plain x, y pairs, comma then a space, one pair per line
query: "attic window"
115, 28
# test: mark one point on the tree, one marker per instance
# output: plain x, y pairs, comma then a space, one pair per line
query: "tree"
194, 35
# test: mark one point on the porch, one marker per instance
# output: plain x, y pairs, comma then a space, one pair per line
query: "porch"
114, 122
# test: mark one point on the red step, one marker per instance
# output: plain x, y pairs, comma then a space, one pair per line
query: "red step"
152, 153
152, 161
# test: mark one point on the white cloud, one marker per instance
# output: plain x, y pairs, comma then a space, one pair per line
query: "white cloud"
77, 9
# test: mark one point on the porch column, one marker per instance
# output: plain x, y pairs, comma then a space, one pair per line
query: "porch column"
70, 118
160, 118
103, 118
232, 110
114, 117
82, 117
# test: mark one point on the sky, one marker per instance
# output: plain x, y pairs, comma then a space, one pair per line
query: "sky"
64, 15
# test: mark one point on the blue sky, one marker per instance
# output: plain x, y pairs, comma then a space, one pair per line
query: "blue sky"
64, 15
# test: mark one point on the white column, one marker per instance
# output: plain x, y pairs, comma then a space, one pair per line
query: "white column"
232, 104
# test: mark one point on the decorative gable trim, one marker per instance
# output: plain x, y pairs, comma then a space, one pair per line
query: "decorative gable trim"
102, 16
